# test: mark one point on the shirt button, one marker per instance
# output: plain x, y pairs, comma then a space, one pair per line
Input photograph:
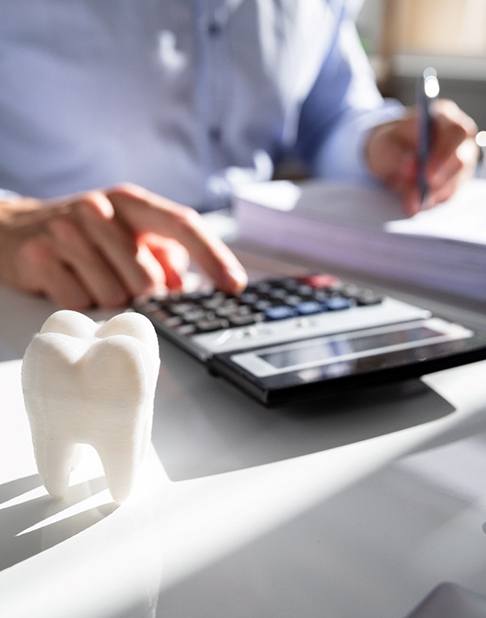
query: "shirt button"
215, 134
214, 28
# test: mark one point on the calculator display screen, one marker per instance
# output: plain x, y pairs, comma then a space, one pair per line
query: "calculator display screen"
327, 348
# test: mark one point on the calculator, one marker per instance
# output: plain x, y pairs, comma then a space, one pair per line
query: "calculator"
292, 338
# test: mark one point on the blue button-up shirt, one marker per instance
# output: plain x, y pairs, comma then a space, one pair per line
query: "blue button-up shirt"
185, 97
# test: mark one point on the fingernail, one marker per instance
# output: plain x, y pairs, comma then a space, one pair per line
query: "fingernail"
236, 278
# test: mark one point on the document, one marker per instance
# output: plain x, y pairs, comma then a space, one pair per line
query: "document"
365, 229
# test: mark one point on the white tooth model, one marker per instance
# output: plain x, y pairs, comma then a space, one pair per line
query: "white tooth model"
90, 384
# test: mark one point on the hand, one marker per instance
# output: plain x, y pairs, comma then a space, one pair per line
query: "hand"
392, 147
105, 247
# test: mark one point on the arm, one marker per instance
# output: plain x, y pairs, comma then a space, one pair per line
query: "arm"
342, 107
348, 132
104, 247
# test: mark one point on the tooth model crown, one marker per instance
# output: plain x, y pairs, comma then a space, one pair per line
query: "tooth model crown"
90, 384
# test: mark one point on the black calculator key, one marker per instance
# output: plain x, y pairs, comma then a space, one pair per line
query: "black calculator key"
322, 296
180, 308
263, 304
244, 320
195, 315
186, 330
280, 312
290, 284
169, 321
214, 302
367, 298
207, 326
263, 287
350, 290
293, 300
243, 310
277, 293
225, 311
305, 290
197, 296
160, 314
249, 298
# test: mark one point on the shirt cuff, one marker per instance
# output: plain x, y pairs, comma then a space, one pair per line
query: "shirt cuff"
8, 195
341, 157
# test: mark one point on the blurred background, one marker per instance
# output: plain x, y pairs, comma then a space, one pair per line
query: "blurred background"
402, 37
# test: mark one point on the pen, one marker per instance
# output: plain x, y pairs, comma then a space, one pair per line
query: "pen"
427, 90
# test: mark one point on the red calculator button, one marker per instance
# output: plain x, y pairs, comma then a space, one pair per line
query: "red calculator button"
321, 281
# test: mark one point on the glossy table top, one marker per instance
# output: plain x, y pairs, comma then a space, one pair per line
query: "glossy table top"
241, 510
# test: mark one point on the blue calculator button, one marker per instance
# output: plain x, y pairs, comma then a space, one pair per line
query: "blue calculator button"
337, 303
280, 312
310, 307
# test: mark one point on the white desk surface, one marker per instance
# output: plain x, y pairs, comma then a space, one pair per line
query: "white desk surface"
244, 511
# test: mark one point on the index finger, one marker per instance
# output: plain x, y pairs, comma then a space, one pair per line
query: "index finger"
146, 212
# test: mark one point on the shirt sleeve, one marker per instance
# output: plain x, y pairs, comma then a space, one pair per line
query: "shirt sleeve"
342, 107
8, 195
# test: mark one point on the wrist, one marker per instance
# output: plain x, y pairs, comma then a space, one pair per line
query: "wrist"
15, 214
15, 210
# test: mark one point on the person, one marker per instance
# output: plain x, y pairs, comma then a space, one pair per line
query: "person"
105, 107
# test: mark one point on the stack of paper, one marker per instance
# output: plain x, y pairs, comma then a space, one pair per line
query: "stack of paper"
364, 229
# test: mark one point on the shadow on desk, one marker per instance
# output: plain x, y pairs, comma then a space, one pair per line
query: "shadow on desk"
23, 531
203, 425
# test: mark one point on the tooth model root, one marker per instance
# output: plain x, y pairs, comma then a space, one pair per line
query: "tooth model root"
55, 462
91, 384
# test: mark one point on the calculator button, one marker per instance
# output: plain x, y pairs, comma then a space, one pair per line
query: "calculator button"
337, 303
280, 312
323, 296
226, 311
207, 326
277, 294
350, 290
263, 287
293, 300
321, 281
195, 315
167, 320
186, 330
262, 305
249, 298
197, 296
242, 320
180, 308
310, 307
367, 298
305, 290
213, 303
290, 283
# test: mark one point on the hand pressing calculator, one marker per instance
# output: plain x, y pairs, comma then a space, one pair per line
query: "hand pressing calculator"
294, 338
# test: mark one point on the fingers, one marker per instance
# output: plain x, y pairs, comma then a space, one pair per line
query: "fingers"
146, 212
392, 154
104, 248
452, 128
411, 200
75, 250
44, 272
64, 289
173, 258
134, 267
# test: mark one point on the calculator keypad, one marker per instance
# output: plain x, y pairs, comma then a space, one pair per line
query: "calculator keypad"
270, 300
